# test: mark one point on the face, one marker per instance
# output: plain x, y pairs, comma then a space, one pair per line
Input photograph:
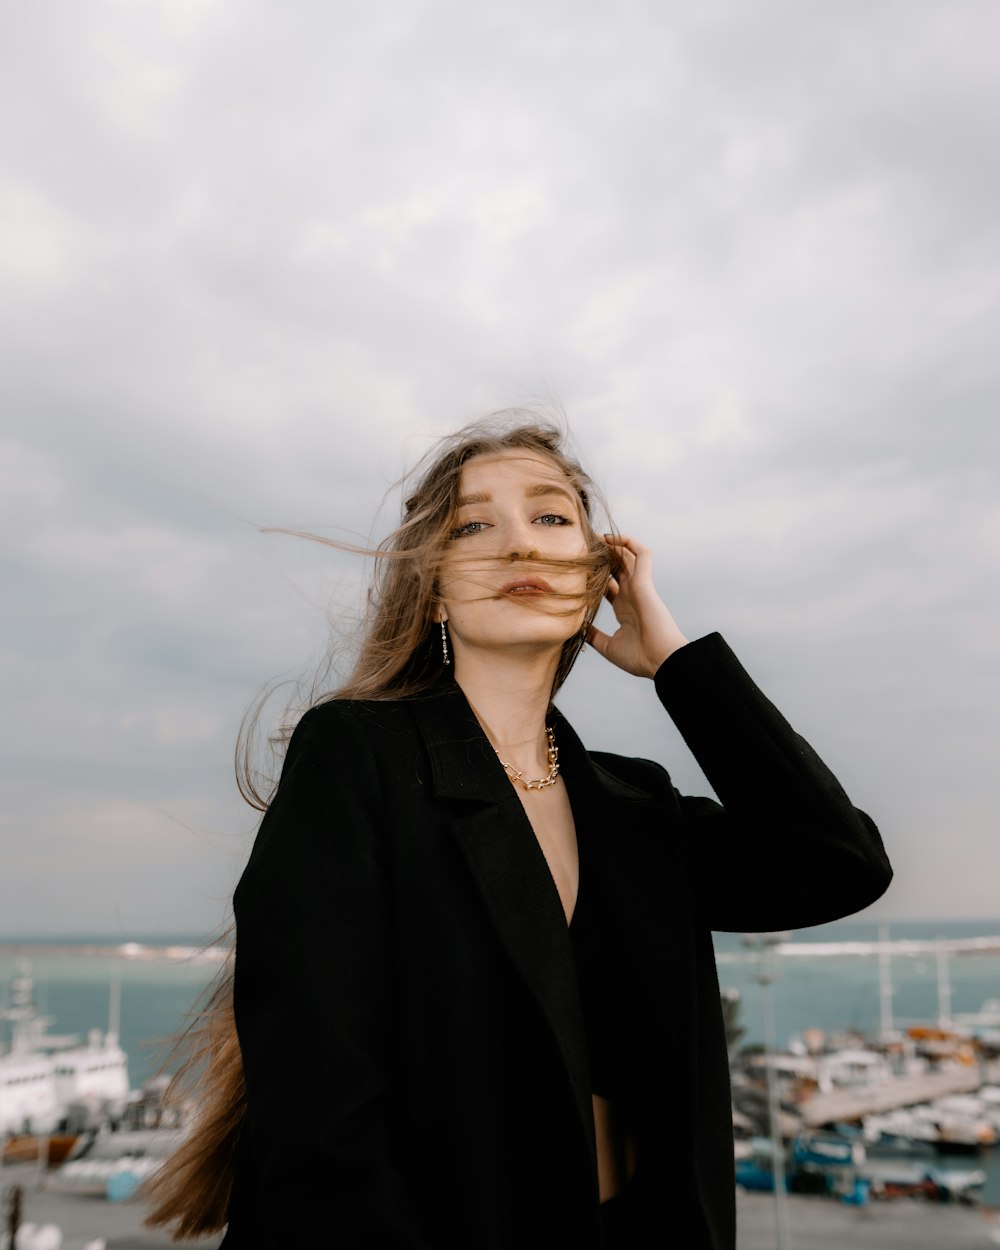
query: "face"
500, 581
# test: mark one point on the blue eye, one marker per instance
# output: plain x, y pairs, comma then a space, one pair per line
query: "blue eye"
470, 527
553, 518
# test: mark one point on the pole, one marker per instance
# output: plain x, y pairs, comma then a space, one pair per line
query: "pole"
763, 943
114, 1008
13, 1212
885, 981
766, 979
42, 1159
944, 989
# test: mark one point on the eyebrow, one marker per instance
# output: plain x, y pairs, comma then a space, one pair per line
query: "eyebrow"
533, 492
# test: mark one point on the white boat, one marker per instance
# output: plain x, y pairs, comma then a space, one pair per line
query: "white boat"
945, 1130
44, 1075
852, 1068
970, 1106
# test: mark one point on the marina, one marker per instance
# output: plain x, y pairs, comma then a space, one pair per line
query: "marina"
887, 1041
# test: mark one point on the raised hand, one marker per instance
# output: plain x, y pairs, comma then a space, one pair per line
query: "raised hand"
646, 633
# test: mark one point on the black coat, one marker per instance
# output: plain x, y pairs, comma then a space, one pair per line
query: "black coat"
406, 999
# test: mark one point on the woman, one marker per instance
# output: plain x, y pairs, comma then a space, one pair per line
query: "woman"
475, 992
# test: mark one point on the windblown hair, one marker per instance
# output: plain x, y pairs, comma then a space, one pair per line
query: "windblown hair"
398, 656
190, 1192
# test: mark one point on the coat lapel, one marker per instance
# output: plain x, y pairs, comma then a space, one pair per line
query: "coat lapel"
511, 875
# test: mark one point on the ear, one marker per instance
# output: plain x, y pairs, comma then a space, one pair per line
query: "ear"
440, 615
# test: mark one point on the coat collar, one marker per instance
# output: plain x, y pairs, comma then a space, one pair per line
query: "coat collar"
463, 763
465, 766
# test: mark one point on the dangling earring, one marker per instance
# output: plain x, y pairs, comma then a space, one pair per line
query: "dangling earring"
444, 645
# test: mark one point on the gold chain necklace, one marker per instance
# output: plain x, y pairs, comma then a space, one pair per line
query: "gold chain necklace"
540, 783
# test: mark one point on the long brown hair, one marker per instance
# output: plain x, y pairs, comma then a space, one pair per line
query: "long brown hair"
398, 655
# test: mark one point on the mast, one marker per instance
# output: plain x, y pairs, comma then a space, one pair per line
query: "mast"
885, 981
114, 1009
944, 988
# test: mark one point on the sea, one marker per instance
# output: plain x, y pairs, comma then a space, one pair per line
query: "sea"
153, 997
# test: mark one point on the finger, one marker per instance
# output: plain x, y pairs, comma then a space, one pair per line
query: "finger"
629, 550
625, 570
628, 542
616, 560
635, 559
611, 592
620, 554
629, 560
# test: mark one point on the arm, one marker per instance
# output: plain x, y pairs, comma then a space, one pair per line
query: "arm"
314, 995
786, 848
783, 817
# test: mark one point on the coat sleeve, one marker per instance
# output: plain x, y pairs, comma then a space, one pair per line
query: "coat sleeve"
784, 848
314, 1000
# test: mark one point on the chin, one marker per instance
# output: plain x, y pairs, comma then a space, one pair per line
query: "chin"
555, 639
515, 631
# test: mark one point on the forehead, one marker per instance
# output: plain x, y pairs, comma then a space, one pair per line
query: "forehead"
511, 470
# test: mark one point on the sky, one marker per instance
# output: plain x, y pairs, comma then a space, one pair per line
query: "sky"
255, 257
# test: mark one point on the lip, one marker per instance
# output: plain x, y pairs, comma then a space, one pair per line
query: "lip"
527, 585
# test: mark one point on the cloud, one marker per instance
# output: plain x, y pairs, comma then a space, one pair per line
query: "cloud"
254, 258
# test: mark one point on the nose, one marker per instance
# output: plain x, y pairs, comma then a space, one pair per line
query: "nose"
518, 541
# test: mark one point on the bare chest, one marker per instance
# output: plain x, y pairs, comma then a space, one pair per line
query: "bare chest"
551, 819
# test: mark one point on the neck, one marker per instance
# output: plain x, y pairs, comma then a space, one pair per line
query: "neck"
510, 696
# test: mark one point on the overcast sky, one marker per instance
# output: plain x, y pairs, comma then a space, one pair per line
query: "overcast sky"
254, 256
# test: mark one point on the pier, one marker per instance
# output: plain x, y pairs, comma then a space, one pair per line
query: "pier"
845, 1105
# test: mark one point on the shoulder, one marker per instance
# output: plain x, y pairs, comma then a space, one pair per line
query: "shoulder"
321, 727
347, 738
331, 778
335, 741
380, 717
333, 718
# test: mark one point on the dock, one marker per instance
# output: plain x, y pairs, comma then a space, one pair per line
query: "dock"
845, 1105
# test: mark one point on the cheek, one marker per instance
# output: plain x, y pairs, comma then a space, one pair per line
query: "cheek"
450, 569
461, 582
